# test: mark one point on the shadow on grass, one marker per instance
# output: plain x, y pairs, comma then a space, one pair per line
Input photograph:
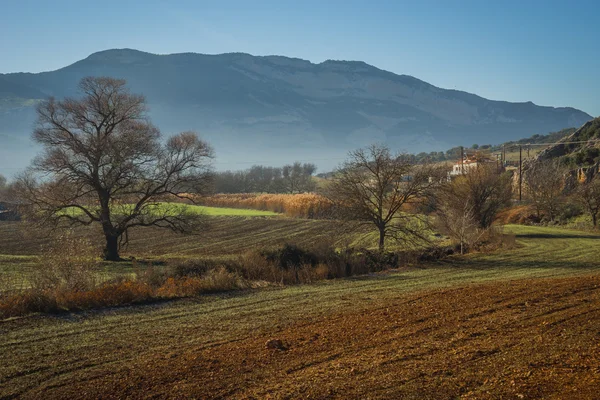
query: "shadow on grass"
556, 236
142, 306
480, 263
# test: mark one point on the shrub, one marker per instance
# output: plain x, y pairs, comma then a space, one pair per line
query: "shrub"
568, 211
67, 264
494, 239
214, 281
152, 275
292, 264
190, 267
26, 301
221, 280
290, 256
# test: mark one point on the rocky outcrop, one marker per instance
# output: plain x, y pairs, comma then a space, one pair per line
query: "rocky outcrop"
587, 136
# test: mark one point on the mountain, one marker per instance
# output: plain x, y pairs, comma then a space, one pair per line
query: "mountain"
273, 109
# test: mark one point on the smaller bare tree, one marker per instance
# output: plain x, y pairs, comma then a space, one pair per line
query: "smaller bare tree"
483, 189
467, 206
375, 187
545, 183
588, 195
457, 219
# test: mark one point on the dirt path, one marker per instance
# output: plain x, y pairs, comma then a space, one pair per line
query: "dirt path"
520, 339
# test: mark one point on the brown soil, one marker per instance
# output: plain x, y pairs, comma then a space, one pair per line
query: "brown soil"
521, 339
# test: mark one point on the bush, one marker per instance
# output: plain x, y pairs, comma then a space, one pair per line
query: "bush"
214, 281
67, 282
68, 264
152, 275
190, 267
221, 280
292, 264
568, 211
290, 256
494, 239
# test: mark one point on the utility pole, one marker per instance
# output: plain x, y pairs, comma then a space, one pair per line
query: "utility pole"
503, 155
528, 147
462, 160
520, 172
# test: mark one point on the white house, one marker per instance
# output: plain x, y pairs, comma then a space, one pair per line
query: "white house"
468, 164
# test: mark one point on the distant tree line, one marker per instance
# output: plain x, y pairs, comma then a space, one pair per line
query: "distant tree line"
453, 154
291, 178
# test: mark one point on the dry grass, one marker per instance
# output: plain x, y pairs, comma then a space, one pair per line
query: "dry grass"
66, 278
520, 214
305, 205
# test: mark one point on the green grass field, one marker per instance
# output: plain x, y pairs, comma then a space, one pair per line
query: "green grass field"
177, 208
83, 345
226, 236
230, 236
229, 212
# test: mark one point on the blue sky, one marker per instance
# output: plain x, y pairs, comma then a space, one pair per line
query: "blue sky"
543, 51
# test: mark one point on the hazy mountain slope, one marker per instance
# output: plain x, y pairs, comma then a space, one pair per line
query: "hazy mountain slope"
261, 103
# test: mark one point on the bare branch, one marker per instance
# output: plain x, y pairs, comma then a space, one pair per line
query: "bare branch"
103, 162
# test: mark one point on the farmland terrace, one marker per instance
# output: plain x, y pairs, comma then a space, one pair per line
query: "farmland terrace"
521, 323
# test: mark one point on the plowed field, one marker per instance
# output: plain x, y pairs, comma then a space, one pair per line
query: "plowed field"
517, 324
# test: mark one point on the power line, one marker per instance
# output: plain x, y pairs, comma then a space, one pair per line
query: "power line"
553, 144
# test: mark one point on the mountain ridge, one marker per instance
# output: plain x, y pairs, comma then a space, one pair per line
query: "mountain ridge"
285, 103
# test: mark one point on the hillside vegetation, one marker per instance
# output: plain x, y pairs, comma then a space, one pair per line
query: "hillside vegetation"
578, 154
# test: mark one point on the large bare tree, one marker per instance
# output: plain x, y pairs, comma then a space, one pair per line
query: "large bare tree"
376, 187
103, 162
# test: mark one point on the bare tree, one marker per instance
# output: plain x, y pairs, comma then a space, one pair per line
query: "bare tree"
374, 187
545, 183
482, 190
104, 163
457, 219
588, 195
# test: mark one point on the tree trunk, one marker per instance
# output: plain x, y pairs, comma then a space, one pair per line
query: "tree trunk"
594, 220
111, 251
381, 240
